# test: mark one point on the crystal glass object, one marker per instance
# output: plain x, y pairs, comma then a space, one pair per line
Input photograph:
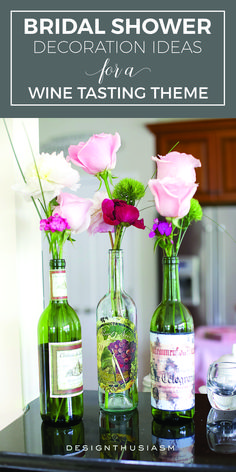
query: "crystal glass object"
221, 385
221, 431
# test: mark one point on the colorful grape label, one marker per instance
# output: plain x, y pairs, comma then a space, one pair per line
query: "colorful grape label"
116, 354
172, 371
65, 369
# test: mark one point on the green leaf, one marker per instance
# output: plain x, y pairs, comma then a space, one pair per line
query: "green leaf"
100, 182
107, 361
110, 177
158, 242
117, 330
155, 245
52, 204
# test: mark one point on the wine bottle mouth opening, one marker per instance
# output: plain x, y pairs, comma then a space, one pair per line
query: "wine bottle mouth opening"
57, 264
170, 260
113, 251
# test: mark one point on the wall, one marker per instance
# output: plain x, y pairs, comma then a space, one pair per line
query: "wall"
133, 159
20, 278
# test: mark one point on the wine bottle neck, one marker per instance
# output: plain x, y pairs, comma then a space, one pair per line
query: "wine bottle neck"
58, 286
115, 269
171, 287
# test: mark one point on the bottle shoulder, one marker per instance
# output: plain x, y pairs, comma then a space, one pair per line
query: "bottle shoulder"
120, 305
56, 306
119, 298
58, 314
172, 316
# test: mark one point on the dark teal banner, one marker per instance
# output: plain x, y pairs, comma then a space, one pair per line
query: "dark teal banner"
121, 61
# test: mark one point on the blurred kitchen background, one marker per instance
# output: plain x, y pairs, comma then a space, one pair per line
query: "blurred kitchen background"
207, 256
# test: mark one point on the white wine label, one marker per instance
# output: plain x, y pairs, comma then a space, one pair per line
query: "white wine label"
58, 284
65, 369
172, 371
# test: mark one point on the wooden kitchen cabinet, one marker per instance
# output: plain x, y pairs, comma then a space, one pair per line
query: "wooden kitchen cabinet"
211, 141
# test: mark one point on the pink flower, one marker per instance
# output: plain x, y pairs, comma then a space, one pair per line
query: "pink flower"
98, 224
54, 223
177, 165
175, 184
75, 210
118, 211
97, 154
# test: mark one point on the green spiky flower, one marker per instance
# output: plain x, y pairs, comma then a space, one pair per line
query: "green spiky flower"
195, 212
129, 190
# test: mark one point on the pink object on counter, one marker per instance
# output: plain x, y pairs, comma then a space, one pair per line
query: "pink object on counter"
211, 342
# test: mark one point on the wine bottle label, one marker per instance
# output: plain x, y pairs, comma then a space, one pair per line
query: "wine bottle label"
116, 354
172, 371
174, 450
58, 285
65, 369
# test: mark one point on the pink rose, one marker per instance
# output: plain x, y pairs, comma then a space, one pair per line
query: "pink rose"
177, 165
97, 154
75, 210
175, 184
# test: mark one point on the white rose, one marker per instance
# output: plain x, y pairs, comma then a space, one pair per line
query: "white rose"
55, 173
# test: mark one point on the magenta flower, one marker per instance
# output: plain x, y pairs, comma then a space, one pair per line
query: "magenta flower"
164, 228
152, 234
54, 223
117, 211
161, 227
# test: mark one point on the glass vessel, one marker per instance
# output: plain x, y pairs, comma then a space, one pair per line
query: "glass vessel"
221, 385
117, 343
172, 351
221, 431
60, 354
119, 435
173, 442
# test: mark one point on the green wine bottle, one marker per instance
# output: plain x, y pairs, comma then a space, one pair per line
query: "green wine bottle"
60, 354
172, 351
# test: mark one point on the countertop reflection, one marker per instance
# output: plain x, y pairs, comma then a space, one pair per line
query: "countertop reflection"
102, 438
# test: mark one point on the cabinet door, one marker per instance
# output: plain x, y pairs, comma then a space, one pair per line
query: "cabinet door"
226, 148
